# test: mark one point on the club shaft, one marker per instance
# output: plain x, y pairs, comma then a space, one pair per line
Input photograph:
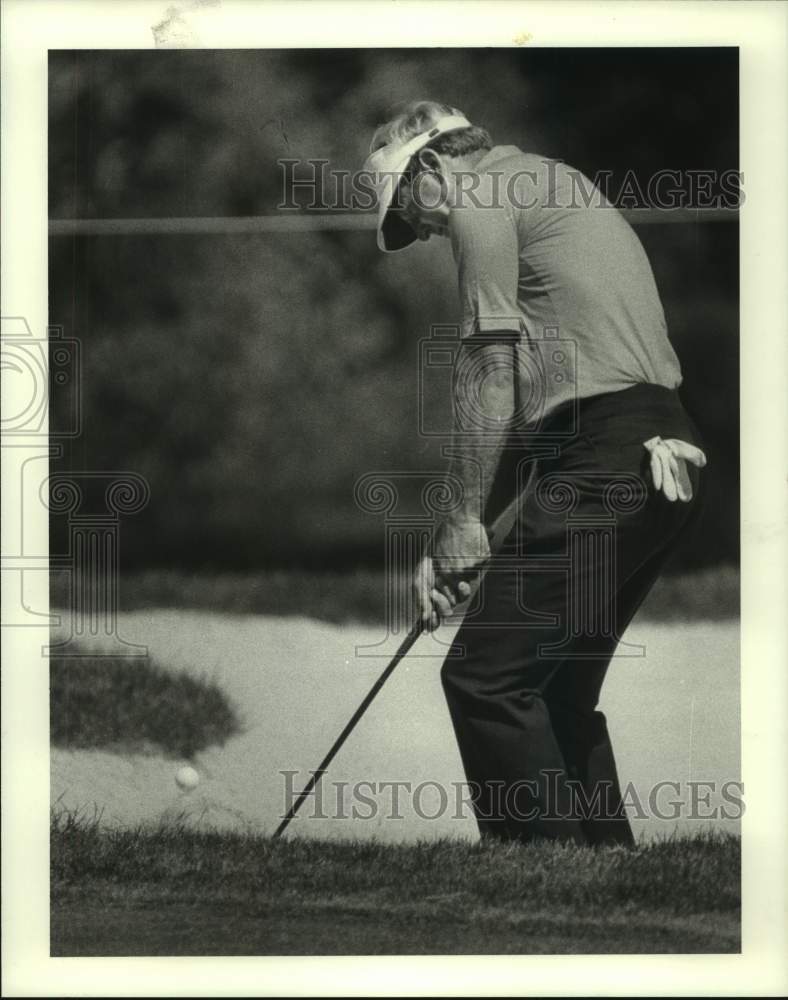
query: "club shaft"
403, 650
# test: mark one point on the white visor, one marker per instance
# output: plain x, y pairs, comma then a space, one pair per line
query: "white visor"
387, 165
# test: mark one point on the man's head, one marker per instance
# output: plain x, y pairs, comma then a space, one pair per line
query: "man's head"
414, 158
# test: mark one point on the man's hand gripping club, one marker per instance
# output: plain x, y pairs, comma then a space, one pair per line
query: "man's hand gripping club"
447, 577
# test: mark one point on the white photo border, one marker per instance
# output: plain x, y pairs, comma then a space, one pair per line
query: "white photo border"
29, 29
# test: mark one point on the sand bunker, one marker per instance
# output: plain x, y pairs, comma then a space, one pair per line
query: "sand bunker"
674, 717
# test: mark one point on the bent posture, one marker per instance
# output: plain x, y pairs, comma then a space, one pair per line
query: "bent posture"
565, 386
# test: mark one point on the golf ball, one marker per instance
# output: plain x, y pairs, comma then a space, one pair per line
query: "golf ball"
187, 778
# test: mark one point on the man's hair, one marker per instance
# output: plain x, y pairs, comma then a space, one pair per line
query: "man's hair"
420, 116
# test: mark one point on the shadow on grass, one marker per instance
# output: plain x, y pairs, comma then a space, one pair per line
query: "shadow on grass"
133, 705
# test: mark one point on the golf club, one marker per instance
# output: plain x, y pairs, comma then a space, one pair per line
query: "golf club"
403, 650
501, 526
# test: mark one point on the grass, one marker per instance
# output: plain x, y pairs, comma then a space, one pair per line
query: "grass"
131, 705
178, 891
358, 596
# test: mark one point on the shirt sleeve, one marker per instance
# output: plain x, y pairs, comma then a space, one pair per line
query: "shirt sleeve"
485, 246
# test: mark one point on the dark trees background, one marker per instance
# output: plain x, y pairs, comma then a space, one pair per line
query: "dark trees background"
252, 378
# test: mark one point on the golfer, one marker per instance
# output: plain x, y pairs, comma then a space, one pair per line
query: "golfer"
564, 364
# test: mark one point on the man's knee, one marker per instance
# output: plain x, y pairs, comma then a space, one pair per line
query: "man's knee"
459, 676
467, 665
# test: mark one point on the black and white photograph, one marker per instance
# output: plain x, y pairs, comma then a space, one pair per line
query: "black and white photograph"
386, 426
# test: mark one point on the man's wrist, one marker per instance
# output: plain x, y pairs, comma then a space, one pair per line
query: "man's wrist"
457, 537
464, 517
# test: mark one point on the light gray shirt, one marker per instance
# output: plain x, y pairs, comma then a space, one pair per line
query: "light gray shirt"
541, 252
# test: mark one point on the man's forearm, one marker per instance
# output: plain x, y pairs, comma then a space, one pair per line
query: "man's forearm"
484, 398
474, 463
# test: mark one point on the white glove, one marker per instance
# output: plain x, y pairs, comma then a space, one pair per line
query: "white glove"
669, 466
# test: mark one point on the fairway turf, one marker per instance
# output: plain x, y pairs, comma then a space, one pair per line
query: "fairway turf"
177, 891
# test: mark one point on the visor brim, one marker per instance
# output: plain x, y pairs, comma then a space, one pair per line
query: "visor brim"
390, 163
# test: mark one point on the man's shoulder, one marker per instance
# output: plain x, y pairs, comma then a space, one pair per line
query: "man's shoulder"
526, 174
533, 180
511, 158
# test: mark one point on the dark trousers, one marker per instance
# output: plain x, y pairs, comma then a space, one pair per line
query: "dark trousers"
524, 674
